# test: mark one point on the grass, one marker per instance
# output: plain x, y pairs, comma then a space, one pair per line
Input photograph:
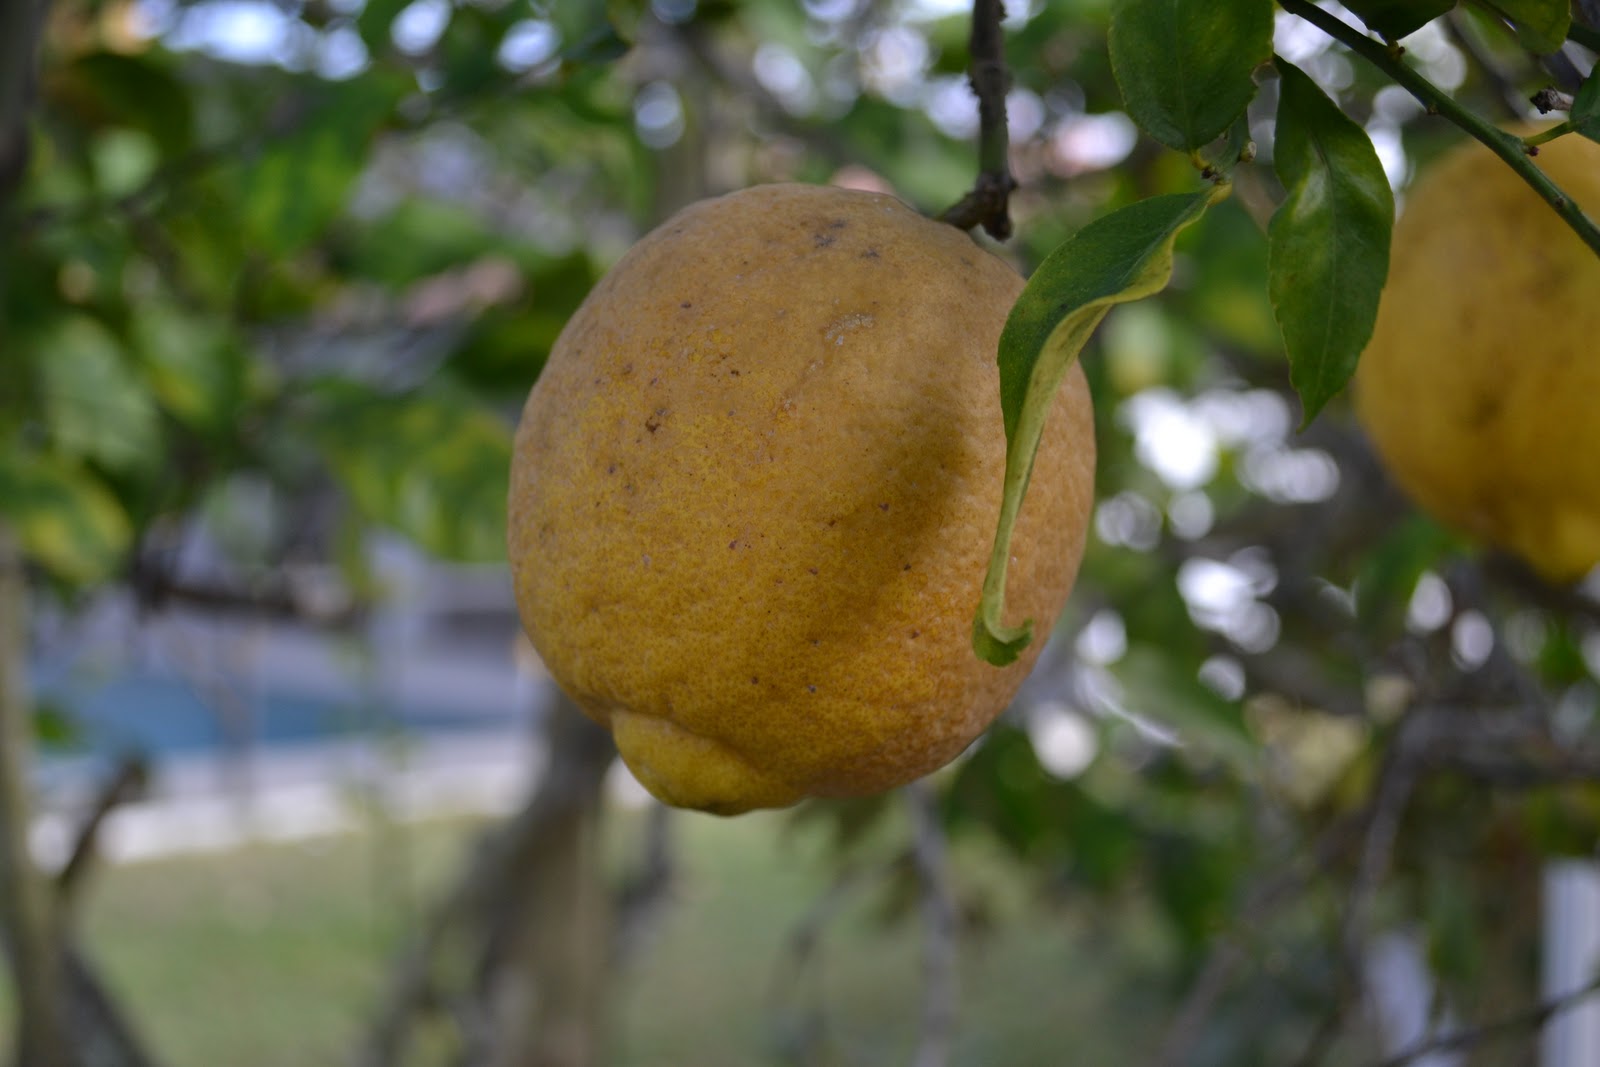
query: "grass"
273, 956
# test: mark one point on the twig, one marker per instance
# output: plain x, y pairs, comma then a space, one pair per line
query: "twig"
1390, 799
125, 784
988, 205
1551, 99
1227, 955
1508, 147
940, 991
806, 935
1528, 1019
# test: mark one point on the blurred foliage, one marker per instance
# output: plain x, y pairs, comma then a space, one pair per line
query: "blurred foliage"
329, 255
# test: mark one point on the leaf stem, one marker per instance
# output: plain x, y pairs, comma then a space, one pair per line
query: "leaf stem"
1507, 146
1546, 136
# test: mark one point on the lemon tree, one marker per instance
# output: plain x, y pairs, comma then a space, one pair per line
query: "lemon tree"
294, 287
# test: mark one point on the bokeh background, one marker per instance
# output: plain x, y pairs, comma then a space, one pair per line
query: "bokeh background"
1303, 778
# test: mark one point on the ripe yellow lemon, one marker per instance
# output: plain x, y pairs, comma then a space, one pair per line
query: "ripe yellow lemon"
755, 489
1481, 385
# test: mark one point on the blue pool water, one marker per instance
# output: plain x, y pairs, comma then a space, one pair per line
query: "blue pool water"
163, 717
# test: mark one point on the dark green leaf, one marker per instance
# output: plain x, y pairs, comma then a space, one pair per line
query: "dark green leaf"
1185, 66
111, 89
470, 46
1394, 19
1123, 256
1386, 576
1541, 24
95, 406
1585, 114
299, 184
594, 32
54, 726
1329, 239
67, 520
375, 20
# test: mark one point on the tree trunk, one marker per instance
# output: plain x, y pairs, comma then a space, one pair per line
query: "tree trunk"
550, 993
27, 927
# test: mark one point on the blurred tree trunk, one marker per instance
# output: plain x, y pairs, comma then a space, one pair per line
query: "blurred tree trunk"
552, 991
531, 910
27, 927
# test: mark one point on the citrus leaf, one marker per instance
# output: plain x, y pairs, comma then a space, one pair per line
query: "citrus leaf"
299, 184
1585, 113
1184, 66
1123, 256
95, 405
67, 521
109, 89
375, 22
595, 33
1542, 25
192, 363
1328, 244
431, 465
1393, 19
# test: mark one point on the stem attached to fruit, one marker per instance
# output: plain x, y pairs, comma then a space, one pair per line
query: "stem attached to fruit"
988, 203
1507, 146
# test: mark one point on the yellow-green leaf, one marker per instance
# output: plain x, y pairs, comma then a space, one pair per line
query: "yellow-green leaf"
1123, 256
66, 519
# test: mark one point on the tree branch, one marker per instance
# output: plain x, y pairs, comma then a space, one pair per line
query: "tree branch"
1183, 1033
1528, 1019
21, 22
129, 780
988, 205
1507, 146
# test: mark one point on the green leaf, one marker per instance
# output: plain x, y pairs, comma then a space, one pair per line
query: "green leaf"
95, 406
1119, 257
191, 363
67, 520
110, 89
299, 183
593, 32
1585, 113
375, 20
430, 465
1386, 575
1542, 25
1393, 19
1328, 245
1184, 66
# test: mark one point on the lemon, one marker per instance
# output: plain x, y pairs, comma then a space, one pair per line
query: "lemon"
755, 489
1481, 384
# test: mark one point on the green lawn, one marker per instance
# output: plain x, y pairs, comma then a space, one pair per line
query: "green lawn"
273, 955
